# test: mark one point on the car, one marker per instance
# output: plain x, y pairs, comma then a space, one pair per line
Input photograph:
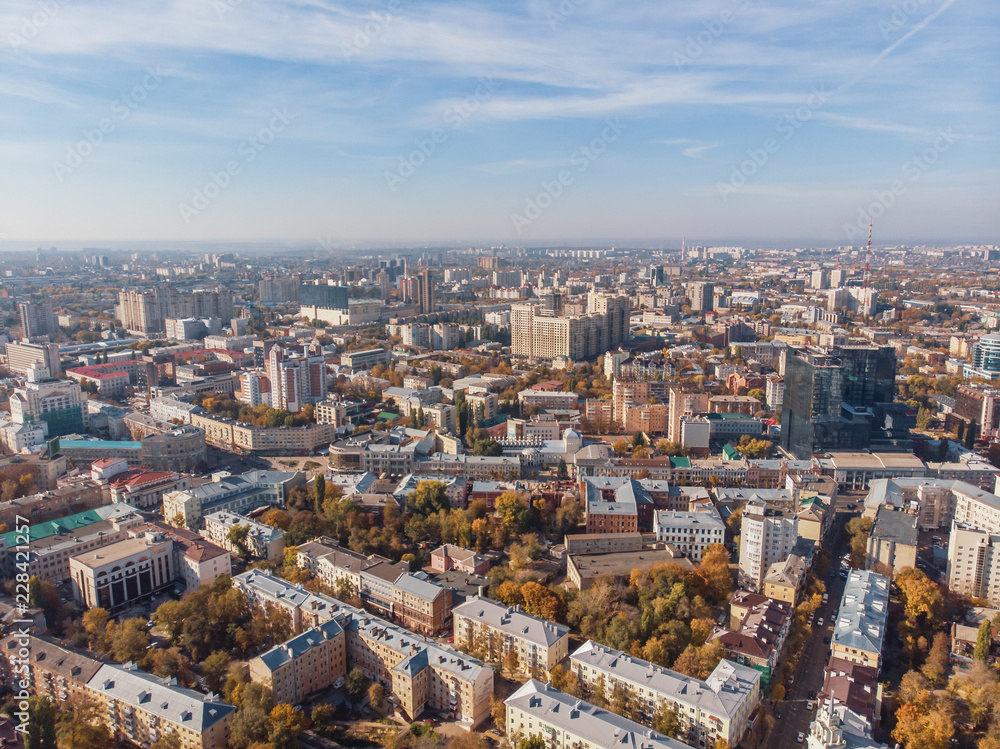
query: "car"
777, 712
819, 622
812, 694
826, 598
791, 679
338, 683
801, 737
809, 705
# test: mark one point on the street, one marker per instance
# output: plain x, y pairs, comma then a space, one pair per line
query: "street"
808, 678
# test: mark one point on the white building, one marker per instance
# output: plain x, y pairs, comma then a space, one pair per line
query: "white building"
565, 722
262, 541
767, 535
974, 563
691, 532
716, 708
482, 624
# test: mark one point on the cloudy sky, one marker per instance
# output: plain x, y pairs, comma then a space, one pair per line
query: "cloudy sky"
512, 120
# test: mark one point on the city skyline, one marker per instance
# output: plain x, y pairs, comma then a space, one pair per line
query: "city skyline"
326, 125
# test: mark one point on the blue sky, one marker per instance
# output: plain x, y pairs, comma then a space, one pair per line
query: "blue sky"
504, 121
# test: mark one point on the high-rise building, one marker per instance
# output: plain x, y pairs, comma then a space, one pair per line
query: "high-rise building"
831, 396
278, 289
539, 336
21, 357
37, 319
61, 404
145, 311
296, 379
702, 296
820, 279
425, 281
767, 535
985, 357
656, 275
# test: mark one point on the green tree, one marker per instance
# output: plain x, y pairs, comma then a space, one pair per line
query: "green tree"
237, 536
429, 498
532, 742
562, 471
487, 447
355, 685
981, 652
41, 732
319, 493
215, 670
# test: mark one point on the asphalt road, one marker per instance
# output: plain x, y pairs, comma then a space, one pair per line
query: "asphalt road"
808, 677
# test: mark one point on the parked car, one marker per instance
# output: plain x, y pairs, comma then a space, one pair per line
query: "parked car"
819, 622
809, 705
801, 737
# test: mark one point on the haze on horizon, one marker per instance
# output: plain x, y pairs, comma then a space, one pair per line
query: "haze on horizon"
523, 122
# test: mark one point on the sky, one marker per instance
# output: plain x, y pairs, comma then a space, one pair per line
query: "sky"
519, 121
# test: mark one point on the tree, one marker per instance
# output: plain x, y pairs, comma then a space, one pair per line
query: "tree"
714, 570
376, 697
319, 492
95, 624
488, 447
922, 598
79, 725
532, 742
277, 518
666, 720
721, 743
540, 601
936, 666
215, 669
285, 725
237, 536
355, 685
511, 661
981, 652
130, 641
498, 711
41, 732
429, 498
562, 472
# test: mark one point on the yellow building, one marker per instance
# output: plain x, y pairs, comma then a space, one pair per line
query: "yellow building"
304, 665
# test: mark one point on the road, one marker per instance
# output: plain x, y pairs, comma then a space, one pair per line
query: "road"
795, 716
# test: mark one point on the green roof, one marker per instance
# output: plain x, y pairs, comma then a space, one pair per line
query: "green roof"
387, 416
727, 416
731, 453
813, 500
54, 527
100, 444
680, 462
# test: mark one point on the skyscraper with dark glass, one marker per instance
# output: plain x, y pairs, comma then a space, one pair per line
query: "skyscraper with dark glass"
831, 397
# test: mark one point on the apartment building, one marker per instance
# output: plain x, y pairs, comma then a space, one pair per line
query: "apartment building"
892, 543
418, 674
859, 630
141, 708
144, 489
974, 562
304, 665
690, 532
767, 535
24, 356
565, 722
262, 541
134, 705
485, 626
716, 708
61, 404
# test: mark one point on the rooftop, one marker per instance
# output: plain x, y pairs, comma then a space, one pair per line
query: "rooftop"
513, 621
